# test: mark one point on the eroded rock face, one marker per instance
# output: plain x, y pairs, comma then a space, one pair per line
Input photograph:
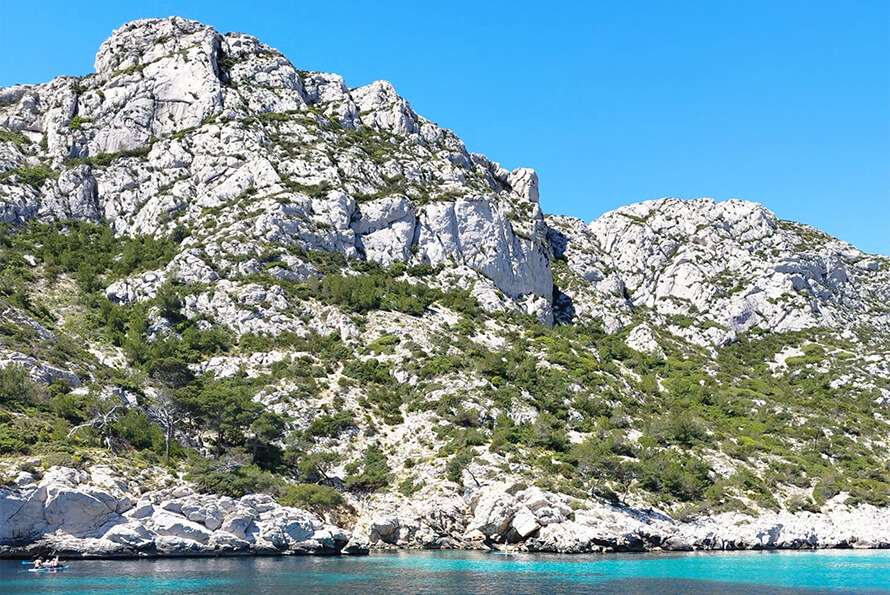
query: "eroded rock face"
182, 126
66, 510
38, 371
507, 515
711, 270
604, 529
69, 512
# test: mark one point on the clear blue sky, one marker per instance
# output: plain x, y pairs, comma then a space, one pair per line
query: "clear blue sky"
784, 102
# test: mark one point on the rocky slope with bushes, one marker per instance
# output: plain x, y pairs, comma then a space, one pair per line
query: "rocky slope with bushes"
246, 309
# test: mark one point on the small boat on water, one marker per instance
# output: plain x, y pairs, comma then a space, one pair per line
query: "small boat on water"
49, 565
49, 568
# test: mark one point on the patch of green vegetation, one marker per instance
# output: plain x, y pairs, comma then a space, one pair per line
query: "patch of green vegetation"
275, 117
132, 69
311, 496
211, 477
363, 293
382, 344
370, 473
409, 486
105, 159
456, 465
16, 137
225, 63
317, 191
32, 176
330, 425
78, 121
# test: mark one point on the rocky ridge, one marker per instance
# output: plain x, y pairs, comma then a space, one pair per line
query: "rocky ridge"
182, 126
99, 514
722, 267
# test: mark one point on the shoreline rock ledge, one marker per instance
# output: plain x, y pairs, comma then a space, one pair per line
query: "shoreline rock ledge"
93, 514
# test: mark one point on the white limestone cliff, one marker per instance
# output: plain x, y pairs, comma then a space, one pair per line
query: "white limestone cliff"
180, 126
722, 267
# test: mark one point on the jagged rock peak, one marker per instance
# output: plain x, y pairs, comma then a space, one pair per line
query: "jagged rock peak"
741, 220
144, 41
183, 127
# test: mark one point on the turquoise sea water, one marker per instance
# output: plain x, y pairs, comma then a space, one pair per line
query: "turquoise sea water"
748, 573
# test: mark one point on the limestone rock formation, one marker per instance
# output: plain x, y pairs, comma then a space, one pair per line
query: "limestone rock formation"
372, 304
181, 126
67, 511
710, 270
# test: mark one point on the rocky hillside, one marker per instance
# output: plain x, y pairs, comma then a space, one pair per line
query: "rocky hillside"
182, 127
223, 276
709, 271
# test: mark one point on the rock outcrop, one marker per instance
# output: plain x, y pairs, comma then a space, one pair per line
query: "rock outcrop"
711, 270
522, 518
181, 126
94, 514
97, 514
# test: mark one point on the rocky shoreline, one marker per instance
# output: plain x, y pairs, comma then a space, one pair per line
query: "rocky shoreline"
99, 514
95, 514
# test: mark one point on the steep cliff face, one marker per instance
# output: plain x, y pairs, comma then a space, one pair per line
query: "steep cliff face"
221, 135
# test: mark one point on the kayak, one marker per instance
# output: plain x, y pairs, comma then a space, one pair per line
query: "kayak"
53, 569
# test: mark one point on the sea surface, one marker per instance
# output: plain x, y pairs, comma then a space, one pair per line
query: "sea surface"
743, 573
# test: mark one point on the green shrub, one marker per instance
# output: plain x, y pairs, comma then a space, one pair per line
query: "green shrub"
506, 435
382, 344
78, 121
372, 370
139, 432
16, 386
211, 477
330, 425
550, 433
376, 290
672, 474
132, 69
105, 159
408, 487
33, 176
311, 496
17, 137
274, 117
826, 488
369, 474
678, 428
421, 270
456, 465
309, 467
11, 441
